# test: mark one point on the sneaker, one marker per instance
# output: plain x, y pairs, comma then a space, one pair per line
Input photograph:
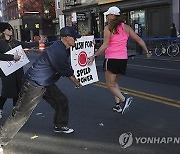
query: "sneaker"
63, 130
1, 149
126, 104
117, 108
1, 113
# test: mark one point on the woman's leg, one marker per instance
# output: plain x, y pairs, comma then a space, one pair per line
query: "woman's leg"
2, 102
117, 100
112, 84
14, 101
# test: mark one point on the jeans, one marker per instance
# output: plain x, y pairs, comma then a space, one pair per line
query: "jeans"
29, 97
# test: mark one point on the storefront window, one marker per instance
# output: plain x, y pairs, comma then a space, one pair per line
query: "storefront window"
137, 17
137, 22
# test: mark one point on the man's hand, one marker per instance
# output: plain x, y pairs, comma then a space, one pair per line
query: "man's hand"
75, 81
78, 85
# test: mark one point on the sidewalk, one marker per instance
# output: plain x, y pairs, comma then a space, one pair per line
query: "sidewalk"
136, 55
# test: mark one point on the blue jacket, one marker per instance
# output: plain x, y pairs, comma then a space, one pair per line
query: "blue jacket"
50, 66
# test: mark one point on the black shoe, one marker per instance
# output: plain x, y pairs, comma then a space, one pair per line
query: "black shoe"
65, 130
126, 104
117, 108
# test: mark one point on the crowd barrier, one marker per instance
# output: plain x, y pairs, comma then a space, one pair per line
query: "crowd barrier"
151, 39
99, 41
152, 43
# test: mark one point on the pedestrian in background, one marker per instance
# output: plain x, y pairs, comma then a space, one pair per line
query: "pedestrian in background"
40, 82
116, 35
173, 31
12, 83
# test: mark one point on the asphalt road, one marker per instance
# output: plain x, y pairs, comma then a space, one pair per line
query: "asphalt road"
153, 117
159, 71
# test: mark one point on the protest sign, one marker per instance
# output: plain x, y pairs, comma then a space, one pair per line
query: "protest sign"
84, 48
9, 67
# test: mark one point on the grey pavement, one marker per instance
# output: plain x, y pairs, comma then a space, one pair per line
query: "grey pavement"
97, 127
135, 54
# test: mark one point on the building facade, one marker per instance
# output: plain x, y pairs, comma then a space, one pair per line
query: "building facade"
1, 10
153, 16
83, 15
59, 21
30, 17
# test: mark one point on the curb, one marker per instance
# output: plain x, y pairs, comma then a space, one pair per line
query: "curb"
155, 59
152, 58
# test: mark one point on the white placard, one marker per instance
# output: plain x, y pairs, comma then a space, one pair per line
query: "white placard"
84, 48
9, 67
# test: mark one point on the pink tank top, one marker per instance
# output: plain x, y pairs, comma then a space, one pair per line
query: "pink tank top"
117, 48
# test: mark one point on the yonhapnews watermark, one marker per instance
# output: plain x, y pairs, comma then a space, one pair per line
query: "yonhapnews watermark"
126, 140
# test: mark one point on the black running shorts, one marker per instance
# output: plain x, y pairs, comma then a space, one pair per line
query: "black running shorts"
116, 66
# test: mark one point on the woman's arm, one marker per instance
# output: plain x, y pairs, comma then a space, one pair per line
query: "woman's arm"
6, 57
132, 34
107, 35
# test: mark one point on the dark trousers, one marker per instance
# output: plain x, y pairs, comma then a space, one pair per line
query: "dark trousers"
29, 97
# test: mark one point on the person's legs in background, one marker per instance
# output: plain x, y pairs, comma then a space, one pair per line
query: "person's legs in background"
15, 101
2, 102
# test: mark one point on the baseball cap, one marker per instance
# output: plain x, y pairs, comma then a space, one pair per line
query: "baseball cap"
69, 31
113, 10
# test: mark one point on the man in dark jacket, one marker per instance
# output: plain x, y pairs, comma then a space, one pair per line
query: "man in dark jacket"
40, 82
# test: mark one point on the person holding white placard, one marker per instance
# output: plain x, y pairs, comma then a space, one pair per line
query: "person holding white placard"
12, 83
116, 35
39, 82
